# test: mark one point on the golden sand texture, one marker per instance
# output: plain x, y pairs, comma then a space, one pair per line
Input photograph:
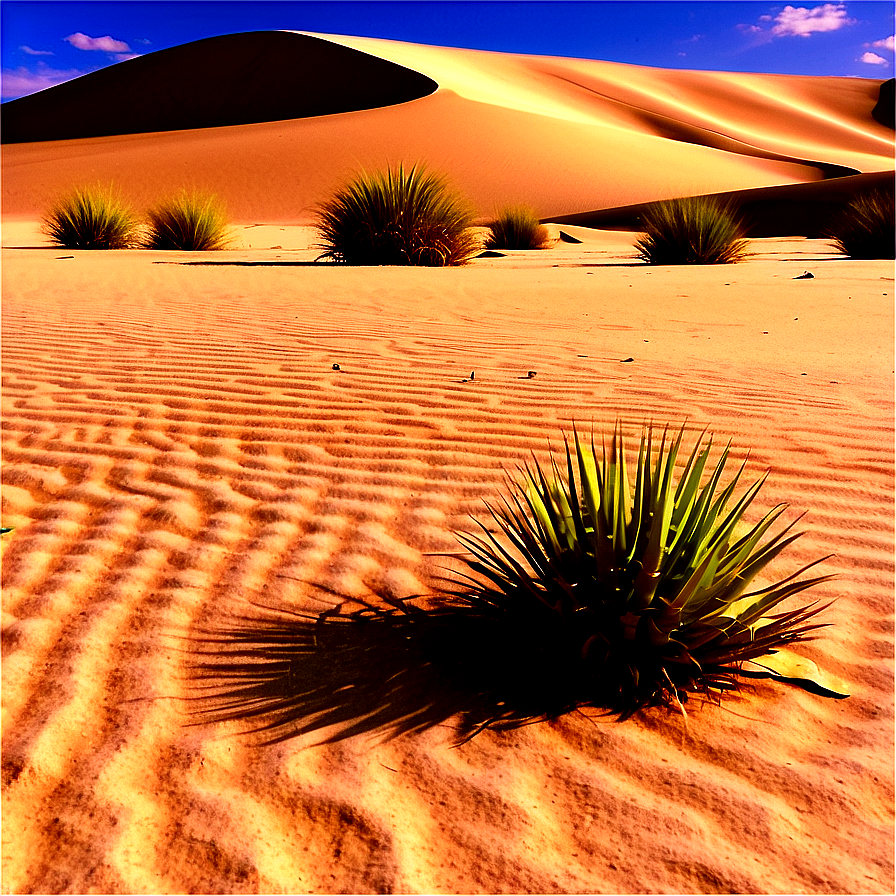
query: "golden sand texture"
177, 444
564, 135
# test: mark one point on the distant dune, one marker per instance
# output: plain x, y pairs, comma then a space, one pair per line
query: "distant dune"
273, 121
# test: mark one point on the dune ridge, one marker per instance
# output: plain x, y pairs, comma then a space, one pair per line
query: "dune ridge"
563, 135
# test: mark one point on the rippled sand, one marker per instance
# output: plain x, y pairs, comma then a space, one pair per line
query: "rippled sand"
177, 445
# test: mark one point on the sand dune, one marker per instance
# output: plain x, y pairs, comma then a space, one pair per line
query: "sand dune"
567, 136
177, 445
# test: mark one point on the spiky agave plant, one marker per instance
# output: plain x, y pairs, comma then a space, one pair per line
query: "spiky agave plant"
397, 217
691, 230
592, 592
636, 594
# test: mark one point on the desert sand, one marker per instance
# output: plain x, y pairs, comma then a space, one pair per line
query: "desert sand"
177, 445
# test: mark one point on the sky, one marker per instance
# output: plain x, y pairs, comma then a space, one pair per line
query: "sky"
46, 42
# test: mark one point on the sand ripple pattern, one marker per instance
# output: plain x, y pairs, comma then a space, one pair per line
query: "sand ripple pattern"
180, 445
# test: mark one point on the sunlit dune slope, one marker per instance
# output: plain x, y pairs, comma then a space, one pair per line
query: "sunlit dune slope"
567, 136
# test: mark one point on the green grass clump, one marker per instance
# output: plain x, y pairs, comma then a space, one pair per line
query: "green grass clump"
626, 594
690, 230
91, 218
397, 218
190, 221
517, 227
865, 228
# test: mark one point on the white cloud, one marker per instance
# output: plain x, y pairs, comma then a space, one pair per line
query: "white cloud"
886, 44
105, 44
22, 81
123, 57
800, 21
872, 59
32, 52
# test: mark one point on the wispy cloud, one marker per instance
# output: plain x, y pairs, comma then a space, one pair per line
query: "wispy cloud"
873, 59
32, 52
105, 44
22, 81
802, 21
886, 44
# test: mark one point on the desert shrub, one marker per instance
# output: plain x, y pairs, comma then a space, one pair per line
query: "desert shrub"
190, 221
690, 230
865, 228
91, 218
397, 218
585, 589
632, 594
517, 227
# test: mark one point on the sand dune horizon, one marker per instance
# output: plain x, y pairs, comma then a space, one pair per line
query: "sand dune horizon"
567, 136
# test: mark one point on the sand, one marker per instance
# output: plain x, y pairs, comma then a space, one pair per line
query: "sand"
178, 445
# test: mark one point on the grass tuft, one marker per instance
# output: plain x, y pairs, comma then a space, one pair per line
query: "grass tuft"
91, 218
397, 218
190, 221
517, 227
690, 230
865, 228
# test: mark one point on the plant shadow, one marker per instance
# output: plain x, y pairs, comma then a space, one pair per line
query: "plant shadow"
390, 670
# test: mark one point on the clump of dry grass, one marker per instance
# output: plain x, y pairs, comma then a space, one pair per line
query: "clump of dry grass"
866, 228
691, 230
192, 222
517, 227
397, 217
91, 218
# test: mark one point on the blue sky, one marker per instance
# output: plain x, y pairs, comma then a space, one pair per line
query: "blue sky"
45, 42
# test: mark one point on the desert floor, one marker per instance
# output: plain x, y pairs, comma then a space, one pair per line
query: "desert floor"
177, 444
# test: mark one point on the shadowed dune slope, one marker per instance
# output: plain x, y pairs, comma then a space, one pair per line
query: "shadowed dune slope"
804, 209
226, 80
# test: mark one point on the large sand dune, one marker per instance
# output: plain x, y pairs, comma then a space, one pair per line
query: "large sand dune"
178, 445
568, 136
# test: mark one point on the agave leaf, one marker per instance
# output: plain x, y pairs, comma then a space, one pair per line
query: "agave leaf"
638, 528
671, 611
580, 534
725, 530
741, 558
791, 668
588, 478
606, 561
689, 484
686, 549
660, 512
718, 599
751, 607
775, 595
549, 521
